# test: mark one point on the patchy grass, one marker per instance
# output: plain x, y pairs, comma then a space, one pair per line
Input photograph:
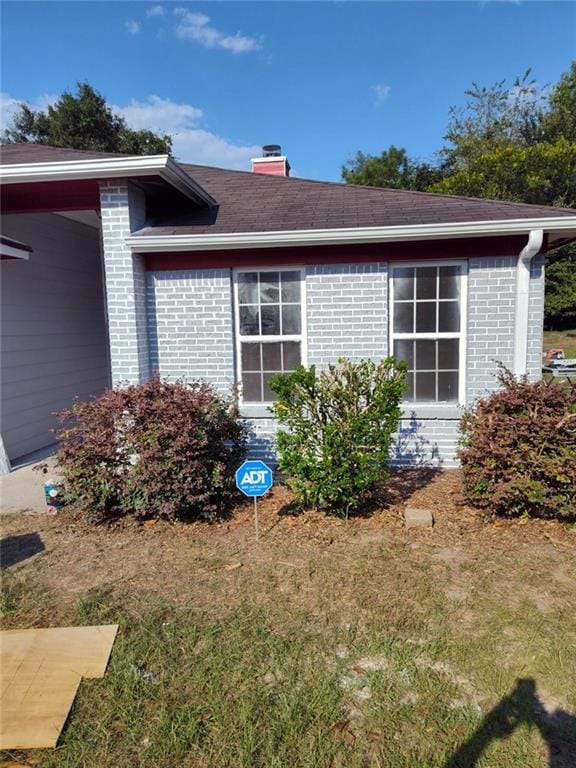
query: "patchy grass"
326, 644
565, 340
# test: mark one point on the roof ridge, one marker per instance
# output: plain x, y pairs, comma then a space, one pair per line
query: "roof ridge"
344, 185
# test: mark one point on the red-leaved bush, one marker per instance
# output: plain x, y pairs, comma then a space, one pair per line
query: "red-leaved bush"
518, 450
157, 449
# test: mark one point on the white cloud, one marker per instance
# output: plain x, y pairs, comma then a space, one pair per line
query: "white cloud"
9, 106
381, 92
196, 26
160, 115
156, 10
132, 27
190, 142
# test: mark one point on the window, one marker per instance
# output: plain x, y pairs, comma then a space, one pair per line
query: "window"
427, 305
268, 327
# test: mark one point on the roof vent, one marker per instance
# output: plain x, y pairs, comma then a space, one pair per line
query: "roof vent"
272, 162
271, 150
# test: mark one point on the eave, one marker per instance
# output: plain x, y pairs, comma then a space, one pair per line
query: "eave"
151, 243
108, 168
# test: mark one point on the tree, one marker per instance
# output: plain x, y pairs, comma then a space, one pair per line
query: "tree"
83, 121
513, 143
392, 169
560, 119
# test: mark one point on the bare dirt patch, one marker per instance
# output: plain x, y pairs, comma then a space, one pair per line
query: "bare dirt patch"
175, 559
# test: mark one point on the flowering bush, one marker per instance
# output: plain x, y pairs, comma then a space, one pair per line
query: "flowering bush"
340, 425
156, 449
518, 450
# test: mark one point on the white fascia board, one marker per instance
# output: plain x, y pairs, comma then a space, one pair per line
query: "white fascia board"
107, 168
14, 253
226, 241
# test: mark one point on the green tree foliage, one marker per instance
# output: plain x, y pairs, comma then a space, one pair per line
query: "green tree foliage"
392, 169
514, 143
83, 121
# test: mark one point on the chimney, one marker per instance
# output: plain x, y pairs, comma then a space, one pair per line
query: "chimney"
272, 162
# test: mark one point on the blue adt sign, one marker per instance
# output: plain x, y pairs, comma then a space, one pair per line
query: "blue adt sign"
254, 478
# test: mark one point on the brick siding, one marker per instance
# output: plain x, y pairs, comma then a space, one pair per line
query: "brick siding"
190, 325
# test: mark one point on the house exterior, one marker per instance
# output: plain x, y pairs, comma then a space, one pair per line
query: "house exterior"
114, 267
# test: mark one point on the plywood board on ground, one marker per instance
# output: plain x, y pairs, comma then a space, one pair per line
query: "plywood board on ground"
40, 671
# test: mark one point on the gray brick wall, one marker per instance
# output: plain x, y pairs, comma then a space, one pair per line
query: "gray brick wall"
190, 325
491, 296
347, 311
429, 442
122, 208
190, 328
535, 319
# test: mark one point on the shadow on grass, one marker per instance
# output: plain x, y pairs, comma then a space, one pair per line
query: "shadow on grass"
16, 549
522, 707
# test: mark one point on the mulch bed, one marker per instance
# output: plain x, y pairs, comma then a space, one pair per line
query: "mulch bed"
79, 555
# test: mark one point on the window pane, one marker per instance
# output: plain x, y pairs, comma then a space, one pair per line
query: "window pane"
426, 317
449, 316
409, 393
290, 286
251, 357
404, 283
271, 357
292, 358
249, 321
404, 350
426, 283
270, 315
290, 319
448, 353
449, 283
252, 387
248, 288
426, 355
269, 289
269, 396
425, 386
403, 318
448, 386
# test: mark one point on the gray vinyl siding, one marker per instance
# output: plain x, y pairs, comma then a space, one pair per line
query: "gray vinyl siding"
53, 327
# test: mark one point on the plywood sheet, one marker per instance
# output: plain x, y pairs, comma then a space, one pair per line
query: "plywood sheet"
40, 671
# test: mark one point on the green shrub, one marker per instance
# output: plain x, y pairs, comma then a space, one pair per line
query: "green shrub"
340, 424
518, 450
156, 449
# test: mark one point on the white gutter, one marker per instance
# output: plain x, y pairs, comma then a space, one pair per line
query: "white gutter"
142, 243
532, 247
107, 168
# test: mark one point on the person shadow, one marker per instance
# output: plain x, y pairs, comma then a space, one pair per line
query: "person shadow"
521, 707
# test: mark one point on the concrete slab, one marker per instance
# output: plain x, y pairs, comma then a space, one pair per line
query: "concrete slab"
23, 489
418, 518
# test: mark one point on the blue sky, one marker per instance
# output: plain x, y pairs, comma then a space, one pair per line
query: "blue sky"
322, 79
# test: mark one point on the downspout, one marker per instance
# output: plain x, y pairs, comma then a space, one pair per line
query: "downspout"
532, 247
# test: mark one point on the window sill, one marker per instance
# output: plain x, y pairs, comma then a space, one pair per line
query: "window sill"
409, 410
256, 411
431, 410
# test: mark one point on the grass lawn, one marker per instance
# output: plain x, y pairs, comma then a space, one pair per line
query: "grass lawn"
326, 644
565, 340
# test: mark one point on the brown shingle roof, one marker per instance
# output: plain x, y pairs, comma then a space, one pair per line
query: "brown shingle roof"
18, 154
249, 202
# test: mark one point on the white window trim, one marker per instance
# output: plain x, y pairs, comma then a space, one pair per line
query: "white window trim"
462, 335
238, 339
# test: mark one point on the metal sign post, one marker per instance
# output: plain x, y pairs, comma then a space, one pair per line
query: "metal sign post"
254, 478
